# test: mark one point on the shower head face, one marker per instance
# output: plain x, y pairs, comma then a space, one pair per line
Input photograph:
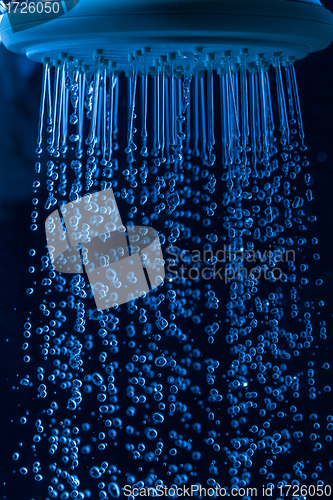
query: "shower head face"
293, 28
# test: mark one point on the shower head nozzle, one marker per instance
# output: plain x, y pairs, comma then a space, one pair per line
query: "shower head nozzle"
294, 28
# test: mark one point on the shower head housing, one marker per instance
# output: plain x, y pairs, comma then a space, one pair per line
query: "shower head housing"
88, 44
293, 28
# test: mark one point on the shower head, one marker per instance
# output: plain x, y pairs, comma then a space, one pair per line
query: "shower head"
90, 43
211, 152
118, 27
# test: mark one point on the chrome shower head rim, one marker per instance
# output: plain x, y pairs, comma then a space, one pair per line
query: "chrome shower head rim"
294, 28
